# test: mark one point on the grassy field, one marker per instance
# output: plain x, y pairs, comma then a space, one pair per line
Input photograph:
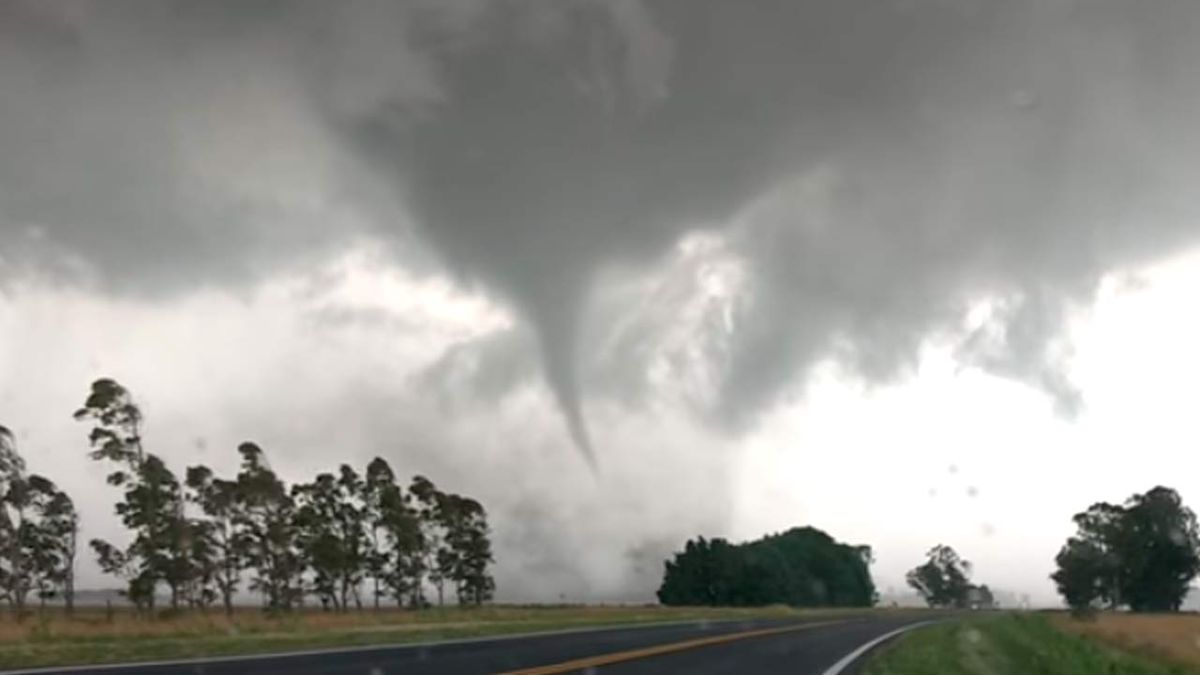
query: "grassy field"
1016, 644
90, 637
1169, 637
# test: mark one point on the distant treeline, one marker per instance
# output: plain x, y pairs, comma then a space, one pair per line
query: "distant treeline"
803, 567
343, 539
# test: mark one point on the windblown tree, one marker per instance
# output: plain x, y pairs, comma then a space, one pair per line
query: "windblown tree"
38, 525
221, 555
428, 505
267, 521
326, 537
467, 550
401, 560
60, 524
943, 580
1142, 554
151, 506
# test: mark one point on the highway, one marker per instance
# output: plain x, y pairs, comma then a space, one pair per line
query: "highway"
818, 646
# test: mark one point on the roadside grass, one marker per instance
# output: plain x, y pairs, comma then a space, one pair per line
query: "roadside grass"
1008, 644
1171, 637
91, 637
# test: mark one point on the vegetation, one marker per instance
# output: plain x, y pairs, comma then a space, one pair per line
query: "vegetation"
1016, 644
1166, 637
943, 581
38, 527
803, 567
206, 538
1140, 555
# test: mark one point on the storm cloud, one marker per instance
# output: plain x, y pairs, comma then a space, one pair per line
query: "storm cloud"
876, 167
699, 199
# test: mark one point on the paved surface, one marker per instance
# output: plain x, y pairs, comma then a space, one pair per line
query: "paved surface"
810, 649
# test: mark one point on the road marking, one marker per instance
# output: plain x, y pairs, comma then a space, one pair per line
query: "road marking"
646, 652
853, 656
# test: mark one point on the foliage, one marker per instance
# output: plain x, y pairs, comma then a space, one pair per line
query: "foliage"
324, 538
943, 580
1016, 644
38, 525
801, 567
1142, 554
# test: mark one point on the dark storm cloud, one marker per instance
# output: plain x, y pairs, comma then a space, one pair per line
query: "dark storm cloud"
878, 166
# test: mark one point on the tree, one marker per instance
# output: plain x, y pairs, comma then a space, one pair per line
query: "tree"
467, 550
402, 558
943, 579
224, 542
801, 567
1081, 574
316, 536
38, 525
152, 504
429, 500
61, 525
266, 518
1142, 554
14, 497
377, 484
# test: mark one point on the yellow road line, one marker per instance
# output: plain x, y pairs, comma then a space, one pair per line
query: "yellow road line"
645, 652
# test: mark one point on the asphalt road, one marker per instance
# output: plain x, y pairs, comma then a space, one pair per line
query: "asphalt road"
804, 648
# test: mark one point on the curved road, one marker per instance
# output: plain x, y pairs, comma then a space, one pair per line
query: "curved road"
818, 646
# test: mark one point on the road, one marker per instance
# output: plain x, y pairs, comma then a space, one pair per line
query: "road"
811, 647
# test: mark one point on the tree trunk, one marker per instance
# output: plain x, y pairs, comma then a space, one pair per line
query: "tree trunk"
69, 587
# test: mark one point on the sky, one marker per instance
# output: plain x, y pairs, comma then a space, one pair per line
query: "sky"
913, 272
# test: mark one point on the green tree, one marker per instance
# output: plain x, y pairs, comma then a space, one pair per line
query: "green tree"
801, 567
428, 508
317, 506
943, 579
152, 504
266, 518
402, 559
1142, 554
61, 525
38, 525
467, 549
221, 553
378, 482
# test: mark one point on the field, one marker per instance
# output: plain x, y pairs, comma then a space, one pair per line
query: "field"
1171, 637
1010, 644
91, 636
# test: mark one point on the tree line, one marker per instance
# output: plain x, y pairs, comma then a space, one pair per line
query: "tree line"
1142, 554
344, 539
802, 567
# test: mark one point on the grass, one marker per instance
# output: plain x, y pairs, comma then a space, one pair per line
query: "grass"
1017, 644
1170, 637
91, 637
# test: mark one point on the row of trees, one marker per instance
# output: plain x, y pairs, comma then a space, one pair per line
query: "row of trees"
338, 538
38, 529
944, 580
801, 567
330, 539
1142, 554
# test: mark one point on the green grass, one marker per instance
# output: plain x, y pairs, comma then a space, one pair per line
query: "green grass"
1016, 644
87, 639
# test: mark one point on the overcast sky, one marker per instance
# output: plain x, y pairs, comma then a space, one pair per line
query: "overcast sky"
913, 272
